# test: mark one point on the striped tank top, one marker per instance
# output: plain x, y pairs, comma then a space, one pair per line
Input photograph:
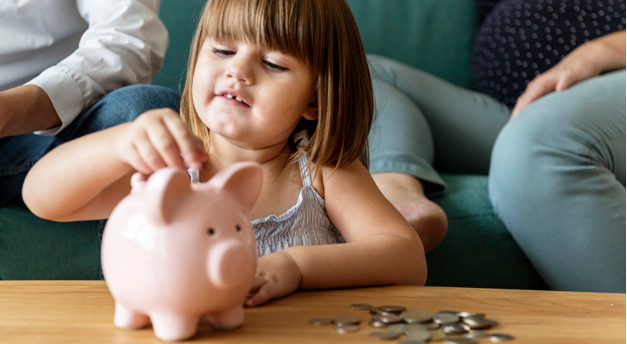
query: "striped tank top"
306, 223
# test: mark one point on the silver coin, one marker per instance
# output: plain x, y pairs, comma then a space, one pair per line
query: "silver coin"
377, 323
346, 329
409, 341
412, 317
458, 340
320, 321
385, 313
432, 326
449, 312
399, 328
455, 328
437, 335
391, 309
477, 334
445, 318
500, 337
479, 323
384, 335
361, 306
419, 335
471, 315
388, 319
344, 320
415, 328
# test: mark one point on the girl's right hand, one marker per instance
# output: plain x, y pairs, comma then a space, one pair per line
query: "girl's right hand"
159, 138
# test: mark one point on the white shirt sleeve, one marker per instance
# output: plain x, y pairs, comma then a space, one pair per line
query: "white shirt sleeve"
124, 44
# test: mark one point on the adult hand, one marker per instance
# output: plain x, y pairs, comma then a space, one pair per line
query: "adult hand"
588, 60
277, 275
25, 109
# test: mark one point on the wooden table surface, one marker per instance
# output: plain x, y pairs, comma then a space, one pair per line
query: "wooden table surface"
82, 312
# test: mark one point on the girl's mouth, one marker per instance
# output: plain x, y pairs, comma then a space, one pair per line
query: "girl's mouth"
235, 98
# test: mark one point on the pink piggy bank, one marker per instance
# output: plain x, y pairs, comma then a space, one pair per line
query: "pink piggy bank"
175, 253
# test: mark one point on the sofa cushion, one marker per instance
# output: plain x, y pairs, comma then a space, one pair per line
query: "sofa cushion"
433, 35
32, 248
180, 18
478, 251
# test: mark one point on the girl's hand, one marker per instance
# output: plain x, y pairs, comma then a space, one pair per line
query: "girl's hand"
588, 60
159, 138
277, 275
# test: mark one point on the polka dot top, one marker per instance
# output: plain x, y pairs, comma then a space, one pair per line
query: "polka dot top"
520, 39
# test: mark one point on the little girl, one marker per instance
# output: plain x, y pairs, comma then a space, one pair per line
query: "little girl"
283, 83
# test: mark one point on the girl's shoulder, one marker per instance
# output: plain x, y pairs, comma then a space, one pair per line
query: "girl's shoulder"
327, 176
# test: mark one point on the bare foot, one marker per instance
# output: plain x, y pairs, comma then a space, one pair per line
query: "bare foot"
406, 193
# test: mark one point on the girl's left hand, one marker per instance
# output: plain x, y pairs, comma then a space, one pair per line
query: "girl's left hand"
277, 275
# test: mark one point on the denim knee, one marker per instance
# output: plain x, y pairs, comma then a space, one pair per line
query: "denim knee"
131, 101
120, 106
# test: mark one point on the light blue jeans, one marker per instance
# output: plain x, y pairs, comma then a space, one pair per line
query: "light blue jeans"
19, 153
556, 172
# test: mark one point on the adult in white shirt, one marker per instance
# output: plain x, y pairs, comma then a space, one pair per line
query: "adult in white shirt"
60, 60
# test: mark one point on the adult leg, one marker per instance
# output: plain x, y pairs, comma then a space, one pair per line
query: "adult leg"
19, 153
396, 169
557, 181
464, 124
419, 117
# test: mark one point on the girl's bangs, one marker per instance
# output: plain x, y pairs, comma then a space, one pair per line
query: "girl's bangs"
274, 24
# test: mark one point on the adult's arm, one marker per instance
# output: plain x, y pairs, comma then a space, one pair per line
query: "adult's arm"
124, 44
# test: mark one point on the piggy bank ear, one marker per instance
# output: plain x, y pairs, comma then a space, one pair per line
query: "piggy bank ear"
138, 181
242, 180
164, 190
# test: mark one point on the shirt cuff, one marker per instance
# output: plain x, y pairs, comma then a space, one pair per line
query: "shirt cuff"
64, 93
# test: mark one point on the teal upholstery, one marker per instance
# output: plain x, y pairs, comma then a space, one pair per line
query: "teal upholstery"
32, 248
180, 17
434, 35
478, 251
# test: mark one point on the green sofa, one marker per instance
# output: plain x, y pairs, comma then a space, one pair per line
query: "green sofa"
434, 35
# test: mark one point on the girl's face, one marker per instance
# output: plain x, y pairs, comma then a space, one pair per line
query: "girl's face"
250, 95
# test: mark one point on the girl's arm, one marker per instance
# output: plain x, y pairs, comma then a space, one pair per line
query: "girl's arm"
381, 247
85, 178
80, 180
606, 53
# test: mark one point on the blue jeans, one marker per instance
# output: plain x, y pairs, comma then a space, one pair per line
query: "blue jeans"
19, 153
556, 172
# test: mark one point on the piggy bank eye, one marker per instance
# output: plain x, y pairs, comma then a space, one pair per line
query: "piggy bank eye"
211, 231
238, 228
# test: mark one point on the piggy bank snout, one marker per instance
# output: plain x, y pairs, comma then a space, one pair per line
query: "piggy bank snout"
231, 263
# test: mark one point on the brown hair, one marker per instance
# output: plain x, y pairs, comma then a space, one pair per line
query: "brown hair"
321, 33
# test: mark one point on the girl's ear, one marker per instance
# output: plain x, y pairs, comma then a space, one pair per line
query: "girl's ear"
311, 113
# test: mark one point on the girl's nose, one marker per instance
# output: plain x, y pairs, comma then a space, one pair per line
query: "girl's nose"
241, 70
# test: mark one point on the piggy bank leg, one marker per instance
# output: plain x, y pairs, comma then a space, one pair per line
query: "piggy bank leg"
173, 327
227, 320
128, 319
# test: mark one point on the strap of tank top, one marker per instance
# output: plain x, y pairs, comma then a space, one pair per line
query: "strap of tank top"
301, 138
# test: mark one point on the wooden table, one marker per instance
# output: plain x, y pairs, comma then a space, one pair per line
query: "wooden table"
82, 312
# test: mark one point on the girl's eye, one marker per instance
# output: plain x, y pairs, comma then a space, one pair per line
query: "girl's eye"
275, 67
222, 52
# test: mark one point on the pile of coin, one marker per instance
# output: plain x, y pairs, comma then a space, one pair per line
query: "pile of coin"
418, 326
